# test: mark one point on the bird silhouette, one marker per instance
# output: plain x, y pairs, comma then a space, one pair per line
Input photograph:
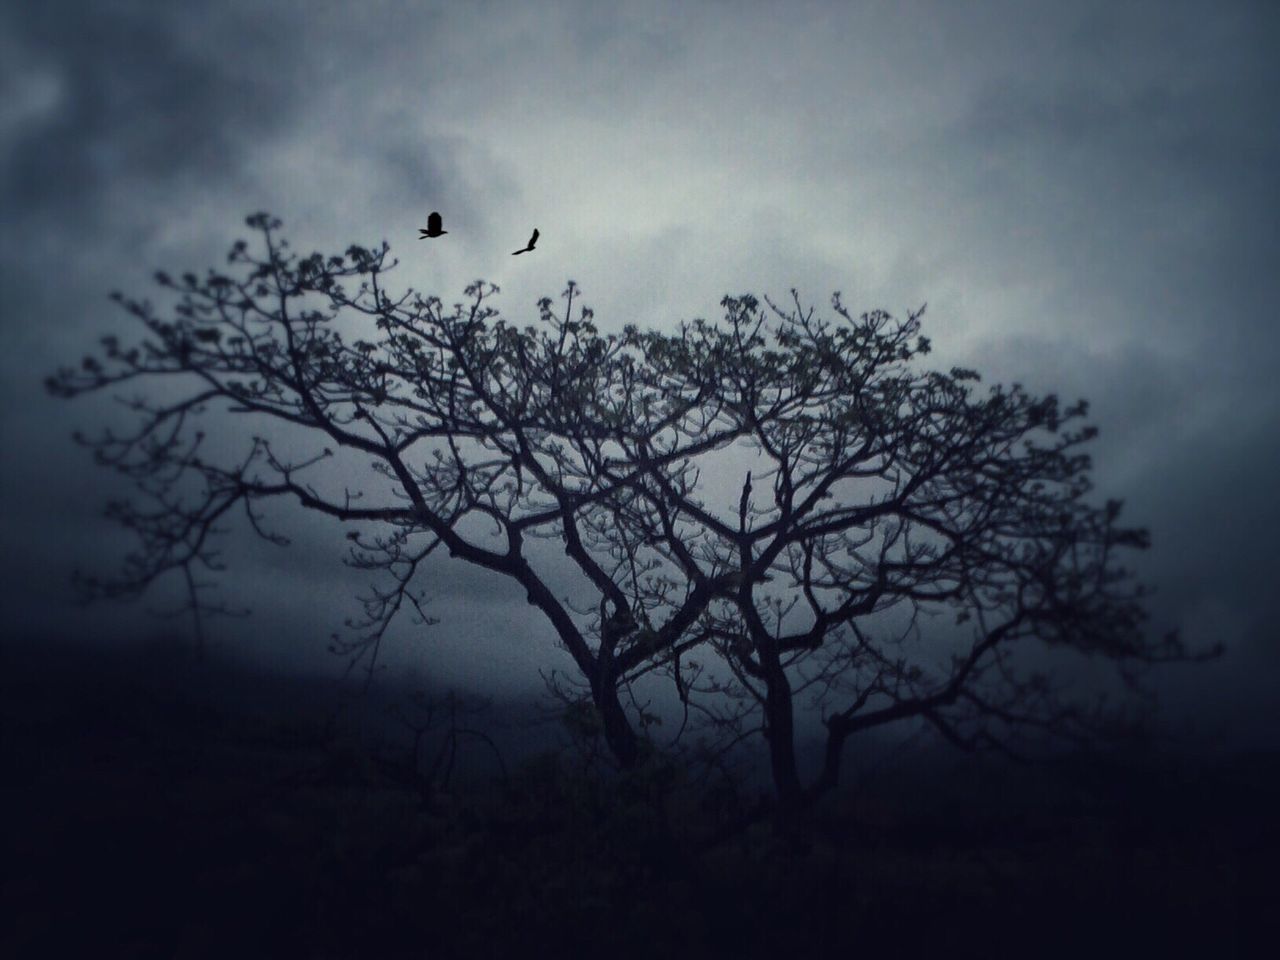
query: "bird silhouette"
434, 223
532, 241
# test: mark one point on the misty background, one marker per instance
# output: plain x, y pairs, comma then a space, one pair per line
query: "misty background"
1084, 194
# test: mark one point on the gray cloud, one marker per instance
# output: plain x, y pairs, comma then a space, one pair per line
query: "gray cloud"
1085, 195
136, 95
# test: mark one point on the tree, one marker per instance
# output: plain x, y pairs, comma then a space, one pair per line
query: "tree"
879, 491
896, 497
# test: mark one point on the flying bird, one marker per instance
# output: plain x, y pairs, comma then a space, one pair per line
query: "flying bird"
434, 223
532, 241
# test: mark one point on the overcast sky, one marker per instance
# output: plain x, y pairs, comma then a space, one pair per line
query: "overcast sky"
1084, 193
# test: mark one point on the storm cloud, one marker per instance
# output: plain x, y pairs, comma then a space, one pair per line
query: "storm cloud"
1085, 195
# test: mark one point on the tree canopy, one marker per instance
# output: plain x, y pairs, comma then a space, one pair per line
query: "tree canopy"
896, 542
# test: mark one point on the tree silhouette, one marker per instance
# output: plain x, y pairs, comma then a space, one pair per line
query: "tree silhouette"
884, 497
901, 499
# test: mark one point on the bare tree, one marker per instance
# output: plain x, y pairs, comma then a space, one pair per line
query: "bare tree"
880, 491
464, 417
892, 500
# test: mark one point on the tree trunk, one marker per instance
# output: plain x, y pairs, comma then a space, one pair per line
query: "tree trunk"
829, 779
782, 751
622, 740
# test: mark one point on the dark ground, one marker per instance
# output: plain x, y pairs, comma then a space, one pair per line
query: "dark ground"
160, 807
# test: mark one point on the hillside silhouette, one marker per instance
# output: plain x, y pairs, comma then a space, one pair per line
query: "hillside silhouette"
161, 805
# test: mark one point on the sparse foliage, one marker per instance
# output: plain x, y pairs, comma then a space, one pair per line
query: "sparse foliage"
900, 540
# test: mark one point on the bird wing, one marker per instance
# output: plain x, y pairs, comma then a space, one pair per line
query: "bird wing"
434, 222
534, 238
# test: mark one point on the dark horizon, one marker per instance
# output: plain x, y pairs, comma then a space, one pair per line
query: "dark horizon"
166, 805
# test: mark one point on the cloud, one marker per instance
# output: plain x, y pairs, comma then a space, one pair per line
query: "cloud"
1084, 194
139, 93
